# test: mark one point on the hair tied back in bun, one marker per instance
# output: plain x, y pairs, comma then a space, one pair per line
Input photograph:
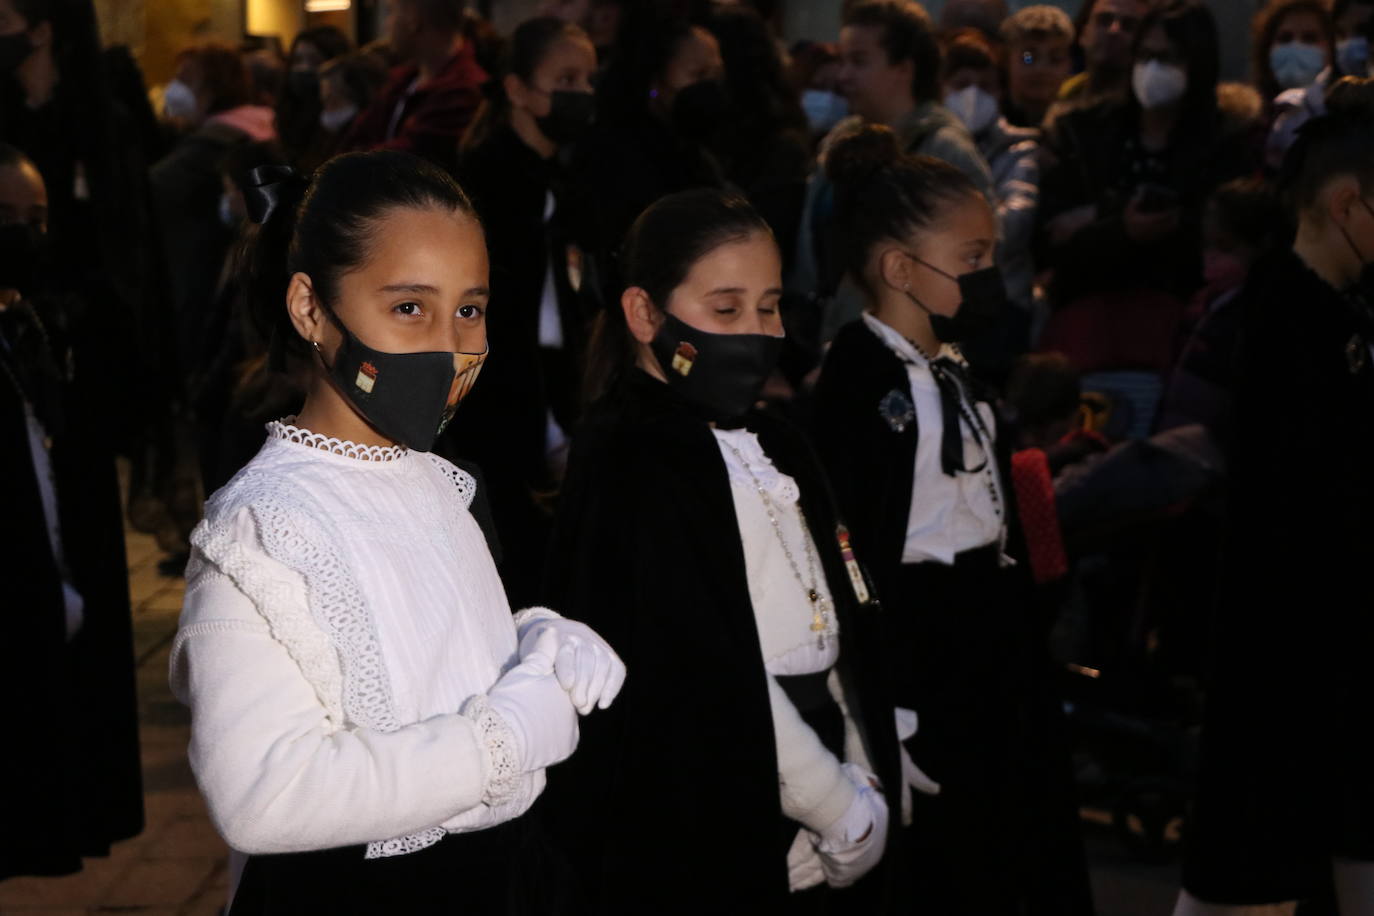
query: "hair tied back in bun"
859, 156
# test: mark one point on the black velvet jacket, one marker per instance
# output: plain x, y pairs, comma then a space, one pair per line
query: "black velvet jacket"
869, 458
671, 802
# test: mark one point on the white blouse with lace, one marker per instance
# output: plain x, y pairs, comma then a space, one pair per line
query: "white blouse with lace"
341, 608
814, 789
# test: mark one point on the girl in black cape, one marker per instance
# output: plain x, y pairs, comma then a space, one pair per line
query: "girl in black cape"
698, 535
534, 216
920, 471
1284, 788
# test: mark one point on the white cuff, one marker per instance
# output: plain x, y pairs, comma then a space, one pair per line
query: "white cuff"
532, 615
500, 755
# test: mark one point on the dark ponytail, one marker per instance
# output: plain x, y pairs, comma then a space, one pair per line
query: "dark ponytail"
324, 227
882, 193
522, 57
665, 241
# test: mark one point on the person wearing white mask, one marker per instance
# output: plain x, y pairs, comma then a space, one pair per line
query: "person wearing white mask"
1295, 49
1122, 198
972, 77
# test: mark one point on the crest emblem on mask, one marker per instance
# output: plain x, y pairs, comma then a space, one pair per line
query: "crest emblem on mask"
367, 378
684, 358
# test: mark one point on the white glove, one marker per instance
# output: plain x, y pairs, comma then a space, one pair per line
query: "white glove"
804, 862
851, 846
585, 664
537, 709
912, 775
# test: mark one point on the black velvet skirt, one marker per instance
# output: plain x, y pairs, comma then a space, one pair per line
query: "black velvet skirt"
506, 869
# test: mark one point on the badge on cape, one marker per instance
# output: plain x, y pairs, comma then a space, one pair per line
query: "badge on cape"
856, 575
1356, 353
896, 408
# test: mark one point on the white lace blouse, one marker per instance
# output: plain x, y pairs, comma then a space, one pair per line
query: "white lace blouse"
341, 607
813, 788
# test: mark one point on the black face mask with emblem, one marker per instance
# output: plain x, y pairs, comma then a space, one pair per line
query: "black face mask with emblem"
407, 397
721, 375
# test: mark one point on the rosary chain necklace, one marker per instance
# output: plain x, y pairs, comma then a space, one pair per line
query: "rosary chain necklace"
820, 606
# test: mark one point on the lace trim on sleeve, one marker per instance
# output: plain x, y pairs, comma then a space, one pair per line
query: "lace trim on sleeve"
498, 751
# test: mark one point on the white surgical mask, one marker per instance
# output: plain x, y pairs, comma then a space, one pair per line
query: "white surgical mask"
336, 120
1296, 65
1352, 55
975, 106
178, 101
1157, 84
824, 109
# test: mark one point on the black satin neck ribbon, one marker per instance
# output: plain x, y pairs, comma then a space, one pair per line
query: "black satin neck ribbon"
951, 377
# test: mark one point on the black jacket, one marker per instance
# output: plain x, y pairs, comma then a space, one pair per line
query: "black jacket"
1286, 750
869, 461
670, 804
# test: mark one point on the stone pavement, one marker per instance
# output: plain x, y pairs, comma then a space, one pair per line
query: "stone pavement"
178, 865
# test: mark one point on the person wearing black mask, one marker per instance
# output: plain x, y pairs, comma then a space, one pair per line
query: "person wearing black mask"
75, 787
919, 466
535, 214
369, 723
659, 103
1284, 790
740, 771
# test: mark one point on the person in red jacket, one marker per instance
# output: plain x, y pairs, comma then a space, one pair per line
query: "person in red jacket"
430, 99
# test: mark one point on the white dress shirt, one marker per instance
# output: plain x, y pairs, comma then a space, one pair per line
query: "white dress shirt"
341, 605
948, 515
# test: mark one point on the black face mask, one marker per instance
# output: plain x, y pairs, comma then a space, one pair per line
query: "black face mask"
1363, 287
23, 250
982, 307
721, 374
304, 85
14, 50
698, 108
407, 397
570, 114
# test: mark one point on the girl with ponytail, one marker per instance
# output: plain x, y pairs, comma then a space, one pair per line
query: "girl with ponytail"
917, 458
752, 762
369, 724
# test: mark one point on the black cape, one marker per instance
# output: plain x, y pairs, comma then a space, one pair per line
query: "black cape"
671, 802
503, 423
70, 782
1286, 754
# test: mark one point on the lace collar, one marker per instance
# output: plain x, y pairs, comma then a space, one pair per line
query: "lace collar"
283, 430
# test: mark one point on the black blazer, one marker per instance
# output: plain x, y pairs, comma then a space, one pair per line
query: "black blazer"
870, 460
671, 802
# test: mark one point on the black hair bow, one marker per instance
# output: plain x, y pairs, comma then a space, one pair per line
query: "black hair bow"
268, 188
